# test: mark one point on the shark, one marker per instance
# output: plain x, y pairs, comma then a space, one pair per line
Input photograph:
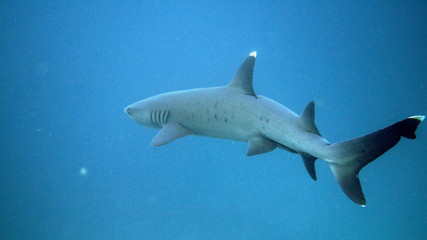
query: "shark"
236, 112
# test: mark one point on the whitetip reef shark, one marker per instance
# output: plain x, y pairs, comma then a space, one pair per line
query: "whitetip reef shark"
236, 112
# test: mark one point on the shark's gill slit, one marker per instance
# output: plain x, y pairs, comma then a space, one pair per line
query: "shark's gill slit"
165, 117
162, 117
158, 118
155, 118
152, 118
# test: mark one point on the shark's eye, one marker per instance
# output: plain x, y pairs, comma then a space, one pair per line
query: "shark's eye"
129, 111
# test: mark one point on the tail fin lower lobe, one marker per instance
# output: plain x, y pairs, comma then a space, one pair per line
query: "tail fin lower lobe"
352, 155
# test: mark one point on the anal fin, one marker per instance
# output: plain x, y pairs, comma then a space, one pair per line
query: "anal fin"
309, 164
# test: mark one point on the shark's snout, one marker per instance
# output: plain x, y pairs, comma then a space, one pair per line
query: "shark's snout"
129, 111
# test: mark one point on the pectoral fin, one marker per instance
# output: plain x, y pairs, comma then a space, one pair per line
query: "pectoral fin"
260, 145
168, 133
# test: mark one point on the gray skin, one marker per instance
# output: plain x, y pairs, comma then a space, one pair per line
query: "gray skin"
226, 112
235, 112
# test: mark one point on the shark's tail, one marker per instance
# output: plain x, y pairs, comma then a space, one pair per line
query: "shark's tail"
349, 157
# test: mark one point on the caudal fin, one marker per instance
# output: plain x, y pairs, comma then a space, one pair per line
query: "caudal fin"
349, 157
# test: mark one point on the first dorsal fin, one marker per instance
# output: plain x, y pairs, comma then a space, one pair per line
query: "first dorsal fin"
242, 80
307, 119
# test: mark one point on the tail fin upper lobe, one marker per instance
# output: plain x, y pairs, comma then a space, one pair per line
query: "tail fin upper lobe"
352, 155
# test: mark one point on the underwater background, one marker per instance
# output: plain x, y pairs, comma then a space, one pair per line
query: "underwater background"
74, 166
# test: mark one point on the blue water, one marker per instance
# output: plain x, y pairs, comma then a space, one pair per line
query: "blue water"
68, 68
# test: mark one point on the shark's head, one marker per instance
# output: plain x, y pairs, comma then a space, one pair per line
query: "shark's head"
148, 112
140, 112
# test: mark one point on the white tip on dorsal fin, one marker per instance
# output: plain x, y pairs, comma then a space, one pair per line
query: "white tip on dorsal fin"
307, 119
418, 117
242, 80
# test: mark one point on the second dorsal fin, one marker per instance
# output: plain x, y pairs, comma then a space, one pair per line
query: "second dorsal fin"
307, 119
242, 80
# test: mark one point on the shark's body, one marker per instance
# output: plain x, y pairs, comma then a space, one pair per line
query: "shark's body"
236, 112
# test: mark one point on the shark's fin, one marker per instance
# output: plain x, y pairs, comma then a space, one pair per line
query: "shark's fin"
169, 133
354, 154
307, 119
349, 182
260, 145
309, 164
242, 80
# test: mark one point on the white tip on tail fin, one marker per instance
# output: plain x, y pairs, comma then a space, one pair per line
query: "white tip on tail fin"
253, 54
